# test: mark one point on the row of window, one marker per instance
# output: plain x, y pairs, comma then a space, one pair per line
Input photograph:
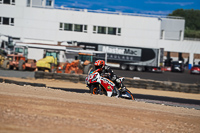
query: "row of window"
35, 3
96, 29
73, 27
106, 30
6, 21
11, 2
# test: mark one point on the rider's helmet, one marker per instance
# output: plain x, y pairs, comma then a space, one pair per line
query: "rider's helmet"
99, 64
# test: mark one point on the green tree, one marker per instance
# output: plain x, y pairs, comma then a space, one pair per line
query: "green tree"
192, 21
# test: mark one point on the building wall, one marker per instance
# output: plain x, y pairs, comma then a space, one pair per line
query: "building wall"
43, 24
173, 29
180, 46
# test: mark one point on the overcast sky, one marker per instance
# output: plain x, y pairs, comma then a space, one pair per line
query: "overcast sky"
155, 7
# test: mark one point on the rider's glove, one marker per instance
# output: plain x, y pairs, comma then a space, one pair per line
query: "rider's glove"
118, 81
114, 77
106, 67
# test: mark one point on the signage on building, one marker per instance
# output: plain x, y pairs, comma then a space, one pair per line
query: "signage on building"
121, 53
114, 53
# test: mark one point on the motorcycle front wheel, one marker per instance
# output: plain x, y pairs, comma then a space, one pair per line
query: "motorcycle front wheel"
95, 89
128, 95
131, 95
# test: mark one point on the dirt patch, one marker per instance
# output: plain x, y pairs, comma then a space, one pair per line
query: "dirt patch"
39, 109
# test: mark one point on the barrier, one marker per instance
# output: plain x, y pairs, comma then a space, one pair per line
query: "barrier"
163, 85
135, 83
1, 80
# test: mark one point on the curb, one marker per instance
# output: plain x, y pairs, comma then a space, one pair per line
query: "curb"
21, 83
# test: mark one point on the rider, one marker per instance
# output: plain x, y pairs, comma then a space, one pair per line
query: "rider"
106, 71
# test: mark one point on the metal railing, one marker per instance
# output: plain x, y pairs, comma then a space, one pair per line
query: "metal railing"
109, 12
118, 13
191, 39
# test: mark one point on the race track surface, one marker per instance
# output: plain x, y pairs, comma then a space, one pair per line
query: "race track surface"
166, 76
40, 109
185, 77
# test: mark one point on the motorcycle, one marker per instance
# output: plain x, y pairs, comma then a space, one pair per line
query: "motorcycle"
101, 85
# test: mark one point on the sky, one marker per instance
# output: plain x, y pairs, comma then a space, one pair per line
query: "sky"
152, 7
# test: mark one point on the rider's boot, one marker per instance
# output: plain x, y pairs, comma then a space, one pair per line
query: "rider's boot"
117, 96
123, 89
116, 92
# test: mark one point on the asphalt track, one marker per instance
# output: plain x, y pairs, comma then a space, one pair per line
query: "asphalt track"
185, 77
179, 102
15, 73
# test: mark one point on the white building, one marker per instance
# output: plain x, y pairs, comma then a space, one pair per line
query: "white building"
39, 21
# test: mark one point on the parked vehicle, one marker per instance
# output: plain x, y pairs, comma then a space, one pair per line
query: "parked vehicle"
37, 51
2, 56
18, 62
177, 66
51, 63
195, 69
17, 59
101, 85
6, 43
87, 61
129, 58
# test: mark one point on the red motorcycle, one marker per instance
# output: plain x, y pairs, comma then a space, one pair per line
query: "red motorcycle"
101, 85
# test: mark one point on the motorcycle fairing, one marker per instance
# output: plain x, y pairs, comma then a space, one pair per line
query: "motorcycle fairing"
108, 85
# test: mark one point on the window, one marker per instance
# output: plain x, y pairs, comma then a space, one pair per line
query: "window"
6, 1
5, 21
12, 21
180, 35
26, 51
85, 29
78, 28
49, 3
94, 29
54, 54
19, 50
0, 20
68, 27
112, 31
101, 30
13, 2
10, 2
119, 31
162, 34
61, 26
28, 3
